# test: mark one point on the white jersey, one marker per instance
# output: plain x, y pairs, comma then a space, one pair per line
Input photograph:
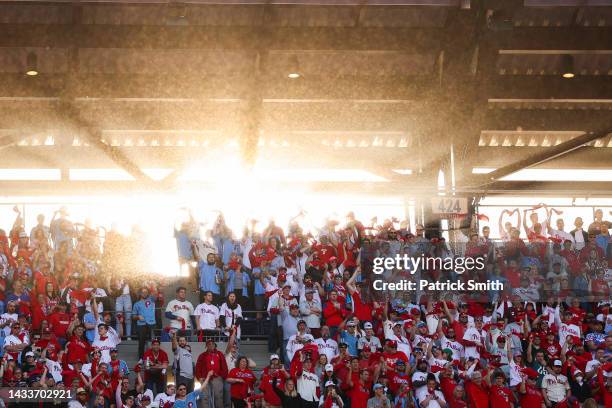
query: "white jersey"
373, 343
182, 309
55, 369
8, 318
556, 387
231, 317
328, 347
307, 386
568, 330
295, 343
516, 374
472, 334
105, 346
162, 398
13, 340
455, 346
207, 315
403, 344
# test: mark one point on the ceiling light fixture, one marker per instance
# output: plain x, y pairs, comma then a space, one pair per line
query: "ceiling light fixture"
567, 66
31, 64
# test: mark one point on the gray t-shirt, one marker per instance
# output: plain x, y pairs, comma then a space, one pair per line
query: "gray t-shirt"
183, 363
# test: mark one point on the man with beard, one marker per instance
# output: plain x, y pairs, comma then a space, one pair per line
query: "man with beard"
448, 340
327, 345
183, 363
210, 278
555, 386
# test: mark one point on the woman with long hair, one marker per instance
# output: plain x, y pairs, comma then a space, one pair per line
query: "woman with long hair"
241, 379
331, 397
230, 316
289, 396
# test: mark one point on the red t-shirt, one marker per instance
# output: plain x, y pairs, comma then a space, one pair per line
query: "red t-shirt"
363, 310
160, 358
501, 397
77, 350
359, 395
391, 358
241, 390
396, 380
532, 397
448, 386
59, 323
268, 377
478, 396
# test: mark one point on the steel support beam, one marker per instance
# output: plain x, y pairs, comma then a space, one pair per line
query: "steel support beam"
550, 154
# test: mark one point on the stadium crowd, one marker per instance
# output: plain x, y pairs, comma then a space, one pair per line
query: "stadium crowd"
68, 298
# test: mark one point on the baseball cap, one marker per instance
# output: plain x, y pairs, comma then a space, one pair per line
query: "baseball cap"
329, 367
342, 345
155, 341
421, 324
350, 323
392, 343
377, 386
530, 372
557, 363
274, 357
29, 354
81, 390
301, 322
367, 325
329, 383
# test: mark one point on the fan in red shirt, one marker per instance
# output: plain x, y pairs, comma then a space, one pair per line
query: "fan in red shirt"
501, 396
530, 394
241, 380
322, 252
77, 347
477, 390
362, 310
334, 312
44, 277
359, 392
274, 372
59, 321
212, 360
156, 363
391, 355
261, 253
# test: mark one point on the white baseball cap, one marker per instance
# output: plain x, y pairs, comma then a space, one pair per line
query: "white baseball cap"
367, 325
274, 357
329, 367
558, 363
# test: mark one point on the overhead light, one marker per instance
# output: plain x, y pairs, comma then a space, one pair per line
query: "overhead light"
32, 64
294, 67
567, 66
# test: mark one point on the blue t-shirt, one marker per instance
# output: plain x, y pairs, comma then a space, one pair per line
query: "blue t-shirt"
89, 318
183, 244
351, 341
145, 308
208, 275
190, 401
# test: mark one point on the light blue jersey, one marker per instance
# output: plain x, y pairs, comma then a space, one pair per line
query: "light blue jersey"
190, 401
